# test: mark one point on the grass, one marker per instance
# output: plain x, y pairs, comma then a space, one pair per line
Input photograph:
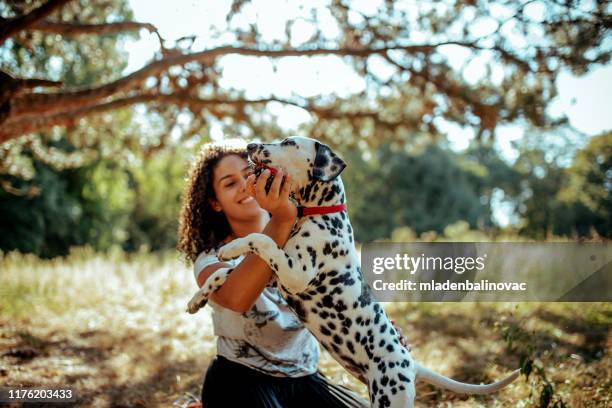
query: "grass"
113, 328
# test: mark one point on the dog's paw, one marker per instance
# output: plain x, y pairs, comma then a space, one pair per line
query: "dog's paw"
197, 302
232, 250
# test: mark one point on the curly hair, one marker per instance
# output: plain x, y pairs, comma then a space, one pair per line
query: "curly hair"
200, 227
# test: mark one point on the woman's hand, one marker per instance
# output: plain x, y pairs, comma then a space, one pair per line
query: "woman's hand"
276, 201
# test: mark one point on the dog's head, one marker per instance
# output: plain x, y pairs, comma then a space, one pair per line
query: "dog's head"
305, 160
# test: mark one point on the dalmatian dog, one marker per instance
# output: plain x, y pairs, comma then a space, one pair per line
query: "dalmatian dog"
319, 274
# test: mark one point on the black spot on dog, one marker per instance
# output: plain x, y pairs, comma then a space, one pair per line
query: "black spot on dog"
366, 295
403, 378
343, 280
304, 296
327, 249
340, 306
297, 307
321, 159
384, 402
328, 301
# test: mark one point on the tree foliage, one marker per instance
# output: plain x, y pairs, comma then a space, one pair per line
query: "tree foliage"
79, 165
424, 190
571, 201
522, 46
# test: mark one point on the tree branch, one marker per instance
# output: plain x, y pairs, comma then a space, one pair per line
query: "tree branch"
12, 26
69, 29
13, 128
54, 102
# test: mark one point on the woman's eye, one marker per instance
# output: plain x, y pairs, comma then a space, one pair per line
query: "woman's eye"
231, 183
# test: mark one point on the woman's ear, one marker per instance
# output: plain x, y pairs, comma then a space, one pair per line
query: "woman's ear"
215, 204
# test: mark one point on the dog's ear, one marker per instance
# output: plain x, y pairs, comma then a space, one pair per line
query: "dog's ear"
327, 165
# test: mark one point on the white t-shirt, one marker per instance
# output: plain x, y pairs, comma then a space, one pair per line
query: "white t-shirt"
269, 337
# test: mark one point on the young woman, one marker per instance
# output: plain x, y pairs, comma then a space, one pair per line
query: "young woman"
265, 356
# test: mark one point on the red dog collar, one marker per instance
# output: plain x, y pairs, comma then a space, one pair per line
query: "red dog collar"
273, 171
304, 211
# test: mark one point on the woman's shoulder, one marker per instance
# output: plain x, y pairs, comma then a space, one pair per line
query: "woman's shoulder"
204, 259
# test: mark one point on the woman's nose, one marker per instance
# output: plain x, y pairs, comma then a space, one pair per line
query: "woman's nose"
242, 182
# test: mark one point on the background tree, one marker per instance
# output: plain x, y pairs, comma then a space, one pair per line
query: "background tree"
65, 186
424, 190
567, 200
588, 187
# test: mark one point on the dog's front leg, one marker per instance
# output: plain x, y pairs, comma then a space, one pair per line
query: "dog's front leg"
293, 274
214, 282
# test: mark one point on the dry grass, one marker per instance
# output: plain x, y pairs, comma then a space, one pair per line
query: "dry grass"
113, 328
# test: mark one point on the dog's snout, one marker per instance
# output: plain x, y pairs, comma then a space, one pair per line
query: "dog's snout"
252, 147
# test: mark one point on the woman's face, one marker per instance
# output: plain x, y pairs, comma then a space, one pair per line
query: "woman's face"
229, 183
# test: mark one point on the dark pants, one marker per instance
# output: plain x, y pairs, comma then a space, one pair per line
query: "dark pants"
230, 384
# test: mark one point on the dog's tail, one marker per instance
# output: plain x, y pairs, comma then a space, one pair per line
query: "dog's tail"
441, 381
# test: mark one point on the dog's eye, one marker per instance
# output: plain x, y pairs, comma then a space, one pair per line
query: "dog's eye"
287, 142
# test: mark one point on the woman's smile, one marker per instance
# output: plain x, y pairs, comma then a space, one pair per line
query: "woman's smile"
246, 200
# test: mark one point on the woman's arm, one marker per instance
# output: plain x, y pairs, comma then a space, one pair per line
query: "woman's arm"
250, 277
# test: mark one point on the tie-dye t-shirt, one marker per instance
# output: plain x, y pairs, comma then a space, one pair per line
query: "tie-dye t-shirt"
269, 337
